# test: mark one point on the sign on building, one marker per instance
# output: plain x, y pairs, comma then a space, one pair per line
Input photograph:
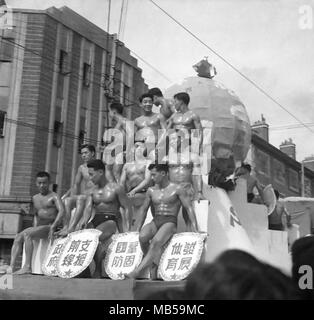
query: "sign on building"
181, 255
124, 254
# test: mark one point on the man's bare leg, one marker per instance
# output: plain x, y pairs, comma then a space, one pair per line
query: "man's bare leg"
162, 236
107, 228
146, 234
15, 251
31, 234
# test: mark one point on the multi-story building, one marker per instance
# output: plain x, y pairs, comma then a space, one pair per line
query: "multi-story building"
58, 73
279, 166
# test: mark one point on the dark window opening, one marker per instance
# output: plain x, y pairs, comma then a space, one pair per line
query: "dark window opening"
57, 134
2, 119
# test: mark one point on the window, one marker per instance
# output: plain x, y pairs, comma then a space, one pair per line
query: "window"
86, 74
293, 180
64, 63
6, 49
279, 172
81, 140
126, 95
262, 162
57, 134
307, 187
2, 119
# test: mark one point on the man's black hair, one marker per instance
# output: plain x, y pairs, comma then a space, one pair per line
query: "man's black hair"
42, 174
90, 147
96, 164
146, 95
182, 96
155, 92
247, 167
158, 167
277, 194
117, 106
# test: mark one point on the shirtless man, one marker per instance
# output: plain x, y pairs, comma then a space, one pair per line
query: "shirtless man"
135, 179
245, 172
83, 186
166, 198
149, 123
275, 218
106, 198
184, 118
164, 106
120, 123
48, 216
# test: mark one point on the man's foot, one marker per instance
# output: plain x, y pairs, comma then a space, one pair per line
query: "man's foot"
132, 275
5, 268
24, 270
96, 275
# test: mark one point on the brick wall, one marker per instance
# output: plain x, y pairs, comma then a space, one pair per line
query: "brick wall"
30, 149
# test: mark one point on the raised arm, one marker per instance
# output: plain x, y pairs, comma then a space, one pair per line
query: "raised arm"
187, 204
143, 184
127, 213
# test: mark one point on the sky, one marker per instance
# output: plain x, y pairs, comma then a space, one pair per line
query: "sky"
261, 38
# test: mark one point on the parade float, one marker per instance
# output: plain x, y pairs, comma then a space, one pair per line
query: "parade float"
225, 219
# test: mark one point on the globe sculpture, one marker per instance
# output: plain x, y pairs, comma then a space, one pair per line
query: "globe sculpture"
225, 116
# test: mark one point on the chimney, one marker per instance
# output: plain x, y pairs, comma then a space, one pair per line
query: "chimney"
309, 162
260, 128
288, 147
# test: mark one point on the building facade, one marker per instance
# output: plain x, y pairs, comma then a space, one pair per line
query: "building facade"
56, 82
279, 166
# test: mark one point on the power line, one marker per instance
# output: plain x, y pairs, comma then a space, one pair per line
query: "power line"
231, 66
155, 69
73, 74
108, 51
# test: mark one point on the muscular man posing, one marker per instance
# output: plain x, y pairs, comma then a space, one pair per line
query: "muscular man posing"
106, 198
149, 123
166, 198
185, 118
135, 179
48, 215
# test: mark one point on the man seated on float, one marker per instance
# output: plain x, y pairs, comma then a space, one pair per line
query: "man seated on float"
48, 213
245, 172
161, 105
136, 179
106, 198
119, 123
149, 123
82, 187
166, 198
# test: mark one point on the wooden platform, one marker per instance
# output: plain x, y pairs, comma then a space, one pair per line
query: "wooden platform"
37, 287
